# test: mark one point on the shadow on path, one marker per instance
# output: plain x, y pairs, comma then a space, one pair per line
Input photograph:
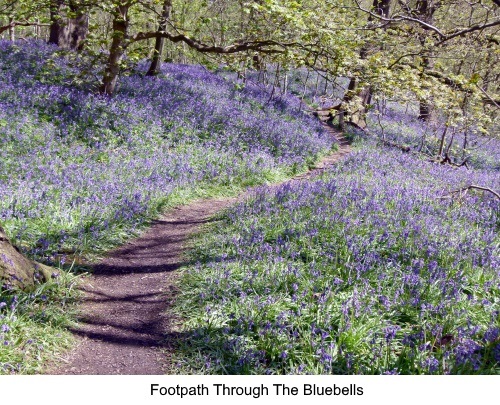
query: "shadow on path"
123, 321
125, 327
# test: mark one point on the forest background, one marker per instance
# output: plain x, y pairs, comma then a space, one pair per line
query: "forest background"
437, 58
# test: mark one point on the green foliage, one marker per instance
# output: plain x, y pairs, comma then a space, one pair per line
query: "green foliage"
453, 64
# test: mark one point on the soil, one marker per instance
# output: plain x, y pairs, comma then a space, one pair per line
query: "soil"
125, 327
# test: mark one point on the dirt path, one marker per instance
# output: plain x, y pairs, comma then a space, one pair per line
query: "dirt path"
125, 328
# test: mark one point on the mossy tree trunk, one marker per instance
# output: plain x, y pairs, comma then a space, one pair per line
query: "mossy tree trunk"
16, 270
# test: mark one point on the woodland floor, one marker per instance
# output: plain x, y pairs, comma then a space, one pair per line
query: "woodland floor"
125, 327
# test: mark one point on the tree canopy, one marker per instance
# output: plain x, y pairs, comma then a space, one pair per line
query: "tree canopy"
442, 54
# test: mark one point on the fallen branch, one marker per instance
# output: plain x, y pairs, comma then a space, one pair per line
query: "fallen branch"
447, 160
403, 148
471, 187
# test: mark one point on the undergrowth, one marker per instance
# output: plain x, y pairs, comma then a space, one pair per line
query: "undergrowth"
371, 269
81, 173
34, 325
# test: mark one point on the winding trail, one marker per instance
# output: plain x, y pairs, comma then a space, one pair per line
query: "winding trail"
125, 327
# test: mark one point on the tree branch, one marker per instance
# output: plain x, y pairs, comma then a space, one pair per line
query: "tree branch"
22, 24
438, 75
425, 25
267, 46
476, 27
491, 100
399, 18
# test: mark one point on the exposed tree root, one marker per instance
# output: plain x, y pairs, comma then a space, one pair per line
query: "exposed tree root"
17, 271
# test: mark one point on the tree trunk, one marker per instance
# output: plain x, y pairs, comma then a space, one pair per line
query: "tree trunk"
12, 34
426, 12
380, 7
425, 107
425, 110
76, 31
442, 142
116, 52
55, 20
16, 270
341, 121
67, 32
154, 68
258, 63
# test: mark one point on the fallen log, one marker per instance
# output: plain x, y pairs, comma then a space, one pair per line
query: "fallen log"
462, 191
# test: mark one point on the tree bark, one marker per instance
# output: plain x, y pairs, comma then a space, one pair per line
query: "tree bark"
116, 52
425, 110
382, 8
16, 271
12, 35
442, 142
154, 68
76, 31
55, 20
426, 12
67, 32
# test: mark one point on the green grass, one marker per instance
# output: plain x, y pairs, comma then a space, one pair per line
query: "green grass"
34, 325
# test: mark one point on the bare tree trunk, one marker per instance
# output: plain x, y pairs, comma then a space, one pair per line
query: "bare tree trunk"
425, 105
341, 121
425, 111
154, 68
258, 63
18, 271
116, 52
77, 30
450, 144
